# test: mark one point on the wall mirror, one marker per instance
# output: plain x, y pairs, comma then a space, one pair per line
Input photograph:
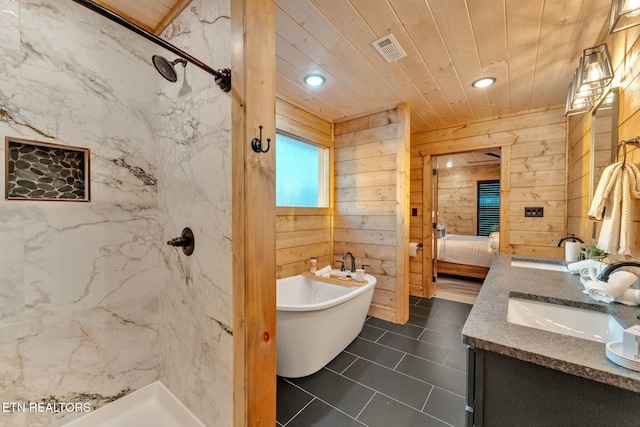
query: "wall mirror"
604, 137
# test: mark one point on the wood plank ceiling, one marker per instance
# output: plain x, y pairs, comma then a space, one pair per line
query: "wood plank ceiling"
152, 15
530, 46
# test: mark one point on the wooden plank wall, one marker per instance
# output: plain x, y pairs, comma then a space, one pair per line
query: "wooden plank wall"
534, 168
371, 204
302, 233
625, 48
458, 196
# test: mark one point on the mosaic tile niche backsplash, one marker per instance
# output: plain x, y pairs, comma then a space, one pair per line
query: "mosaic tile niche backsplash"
43, 171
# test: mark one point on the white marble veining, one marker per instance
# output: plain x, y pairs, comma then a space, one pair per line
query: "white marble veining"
115, 66
202, 29
94, 303
79, 294
80, 258
88, 356
194, 137
194, 149
10, 35
12, 255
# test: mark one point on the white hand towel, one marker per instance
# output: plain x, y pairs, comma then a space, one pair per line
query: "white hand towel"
630, 189
619, 282
600, 295
607, 181
323, 271
592, 288
630, 297
609, 238
575, 267
618, 184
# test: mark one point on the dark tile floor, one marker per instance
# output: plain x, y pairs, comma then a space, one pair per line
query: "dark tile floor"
391, 375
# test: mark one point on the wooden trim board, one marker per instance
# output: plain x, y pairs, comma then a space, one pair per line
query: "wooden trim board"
462, 269
253, 190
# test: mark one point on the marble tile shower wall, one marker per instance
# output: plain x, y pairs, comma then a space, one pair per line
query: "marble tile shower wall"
79, 295
196, 342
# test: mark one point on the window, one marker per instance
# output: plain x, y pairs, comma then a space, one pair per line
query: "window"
302, 173
488, 206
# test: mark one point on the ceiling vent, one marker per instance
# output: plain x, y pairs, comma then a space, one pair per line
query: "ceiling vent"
389, 48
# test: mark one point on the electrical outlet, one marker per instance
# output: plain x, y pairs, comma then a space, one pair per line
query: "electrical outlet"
414, 211
533, 212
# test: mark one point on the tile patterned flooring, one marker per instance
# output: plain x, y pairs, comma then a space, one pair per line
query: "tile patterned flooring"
391, 375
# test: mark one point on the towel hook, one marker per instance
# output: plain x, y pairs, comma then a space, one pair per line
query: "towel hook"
256, 144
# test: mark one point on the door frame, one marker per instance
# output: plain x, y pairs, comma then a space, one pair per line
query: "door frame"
438, 149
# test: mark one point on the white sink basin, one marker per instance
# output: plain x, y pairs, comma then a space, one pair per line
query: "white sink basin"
539, 264
565, 320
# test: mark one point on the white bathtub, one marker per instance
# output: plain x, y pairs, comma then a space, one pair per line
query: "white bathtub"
315, 321
150, 406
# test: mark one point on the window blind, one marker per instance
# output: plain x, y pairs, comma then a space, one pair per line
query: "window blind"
488, 206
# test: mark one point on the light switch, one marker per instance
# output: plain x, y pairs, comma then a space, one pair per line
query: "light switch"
534, 212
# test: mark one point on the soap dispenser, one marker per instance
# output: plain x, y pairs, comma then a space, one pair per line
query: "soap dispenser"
571, 247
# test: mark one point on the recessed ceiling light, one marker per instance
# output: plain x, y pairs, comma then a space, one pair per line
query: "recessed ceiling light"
314, 79
484, 82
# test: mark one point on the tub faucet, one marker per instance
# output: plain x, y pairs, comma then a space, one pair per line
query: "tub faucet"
353, 260
571, 238
604, 274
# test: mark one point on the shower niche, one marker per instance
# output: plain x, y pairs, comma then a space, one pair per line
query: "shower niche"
43, 171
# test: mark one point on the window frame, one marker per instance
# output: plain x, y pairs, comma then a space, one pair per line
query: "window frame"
478, 184
324, 175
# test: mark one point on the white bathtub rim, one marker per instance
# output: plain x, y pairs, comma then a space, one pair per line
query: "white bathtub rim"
354, 291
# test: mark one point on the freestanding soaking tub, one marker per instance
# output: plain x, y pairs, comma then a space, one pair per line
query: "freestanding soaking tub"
316, 320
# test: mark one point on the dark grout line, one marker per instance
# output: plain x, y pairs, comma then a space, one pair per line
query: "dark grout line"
397, 372
424, 405
383, 334
303, 408
447, 358
399, 361
404, 353
367, 404
410, 407
330, 405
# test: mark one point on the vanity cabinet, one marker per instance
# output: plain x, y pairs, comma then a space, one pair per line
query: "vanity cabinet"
505, 391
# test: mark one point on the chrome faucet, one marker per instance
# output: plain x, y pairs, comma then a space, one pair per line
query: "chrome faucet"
604, 274
570, 237
353, 260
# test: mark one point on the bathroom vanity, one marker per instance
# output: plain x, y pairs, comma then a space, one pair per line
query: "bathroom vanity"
519, 375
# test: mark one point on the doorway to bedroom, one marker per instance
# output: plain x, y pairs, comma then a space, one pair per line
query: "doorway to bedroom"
466, 207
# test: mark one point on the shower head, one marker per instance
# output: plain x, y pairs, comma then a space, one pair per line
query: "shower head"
166, 68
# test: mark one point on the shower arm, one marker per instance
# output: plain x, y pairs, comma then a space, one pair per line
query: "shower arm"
222, 76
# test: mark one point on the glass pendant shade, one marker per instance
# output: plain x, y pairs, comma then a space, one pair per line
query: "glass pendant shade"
595, 70
577, 105
624, 14
589, 80
584, 91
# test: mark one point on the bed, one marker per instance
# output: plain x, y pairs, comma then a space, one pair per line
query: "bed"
469, 256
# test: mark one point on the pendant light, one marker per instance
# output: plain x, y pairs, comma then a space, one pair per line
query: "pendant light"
624, 14
595, 70
589, 80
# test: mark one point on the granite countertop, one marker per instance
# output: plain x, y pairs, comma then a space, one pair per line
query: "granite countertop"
487, 327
